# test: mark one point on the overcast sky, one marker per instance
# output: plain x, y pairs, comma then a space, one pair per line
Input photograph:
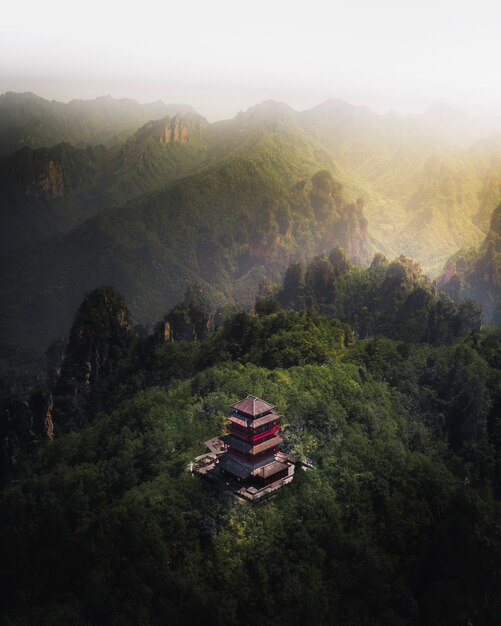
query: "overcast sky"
222, 56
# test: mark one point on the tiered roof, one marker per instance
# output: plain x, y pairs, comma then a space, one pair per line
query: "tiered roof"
252, 406
260, 421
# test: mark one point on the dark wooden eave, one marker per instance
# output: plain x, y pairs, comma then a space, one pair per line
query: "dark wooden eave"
272, 416
248, 448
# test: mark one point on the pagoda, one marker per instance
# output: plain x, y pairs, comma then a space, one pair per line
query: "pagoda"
252, 443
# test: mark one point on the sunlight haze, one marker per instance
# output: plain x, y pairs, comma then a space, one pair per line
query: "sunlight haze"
224, 56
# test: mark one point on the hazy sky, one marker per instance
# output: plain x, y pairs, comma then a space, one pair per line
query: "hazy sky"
222, 56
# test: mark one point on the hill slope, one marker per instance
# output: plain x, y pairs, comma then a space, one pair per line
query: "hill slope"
47, 191
266, 188
476, 273
228, 227
438, 192
26, 120
106, 525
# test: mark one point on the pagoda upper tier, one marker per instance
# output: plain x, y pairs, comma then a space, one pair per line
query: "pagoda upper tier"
252, 407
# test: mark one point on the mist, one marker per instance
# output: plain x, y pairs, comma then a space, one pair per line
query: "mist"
222, 57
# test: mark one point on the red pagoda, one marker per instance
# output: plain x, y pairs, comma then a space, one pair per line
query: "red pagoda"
252, 443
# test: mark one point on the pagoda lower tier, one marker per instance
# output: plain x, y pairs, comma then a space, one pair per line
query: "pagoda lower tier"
265, 472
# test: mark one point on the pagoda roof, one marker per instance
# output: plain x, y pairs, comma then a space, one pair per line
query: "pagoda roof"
240, 421
234, 467
270, 469
270, 417
252, 406
249, 423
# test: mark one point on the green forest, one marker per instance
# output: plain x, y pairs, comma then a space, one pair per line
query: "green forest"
388, 387
343, 266
250, 313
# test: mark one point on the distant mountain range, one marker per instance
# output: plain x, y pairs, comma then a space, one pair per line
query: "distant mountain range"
26, 120
151, 198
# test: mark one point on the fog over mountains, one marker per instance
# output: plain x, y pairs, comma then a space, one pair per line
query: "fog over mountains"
153, 197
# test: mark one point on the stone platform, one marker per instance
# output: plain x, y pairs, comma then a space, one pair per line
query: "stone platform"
207, 466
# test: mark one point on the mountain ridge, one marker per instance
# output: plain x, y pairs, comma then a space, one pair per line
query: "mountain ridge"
232, 203
27, 120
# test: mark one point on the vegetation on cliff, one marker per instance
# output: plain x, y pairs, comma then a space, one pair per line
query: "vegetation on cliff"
476, 273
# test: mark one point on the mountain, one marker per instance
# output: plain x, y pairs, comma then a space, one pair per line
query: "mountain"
426, 193
388, 389
476, 273
229, 206
26, 120
49, 190
437, 191
457, 127
43, 191
227, 227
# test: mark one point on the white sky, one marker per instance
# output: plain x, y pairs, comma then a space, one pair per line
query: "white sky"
222, 56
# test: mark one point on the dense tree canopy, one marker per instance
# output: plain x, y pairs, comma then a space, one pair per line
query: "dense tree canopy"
398, 524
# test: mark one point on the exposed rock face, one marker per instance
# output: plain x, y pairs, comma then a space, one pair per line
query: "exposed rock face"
21, 425
325, 195
100, 328
490, 273
190, 320
351, 232
187, 323
264, 248
50, 183
167, 331
450, 270
175, 131
495, 229
41, 405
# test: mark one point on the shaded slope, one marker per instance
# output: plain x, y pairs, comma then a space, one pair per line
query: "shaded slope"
227, 228
26, 120
425, 196
49, 190
476, 273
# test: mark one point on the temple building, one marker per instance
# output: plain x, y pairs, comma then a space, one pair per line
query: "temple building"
252, 454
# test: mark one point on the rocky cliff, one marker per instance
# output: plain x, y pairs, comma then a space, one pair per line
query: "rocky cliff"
99, 338
22, 425
49, 183
476, 273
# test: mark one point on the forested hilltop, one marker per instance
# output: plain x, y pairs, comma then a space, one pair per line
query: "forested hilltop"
390, 388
